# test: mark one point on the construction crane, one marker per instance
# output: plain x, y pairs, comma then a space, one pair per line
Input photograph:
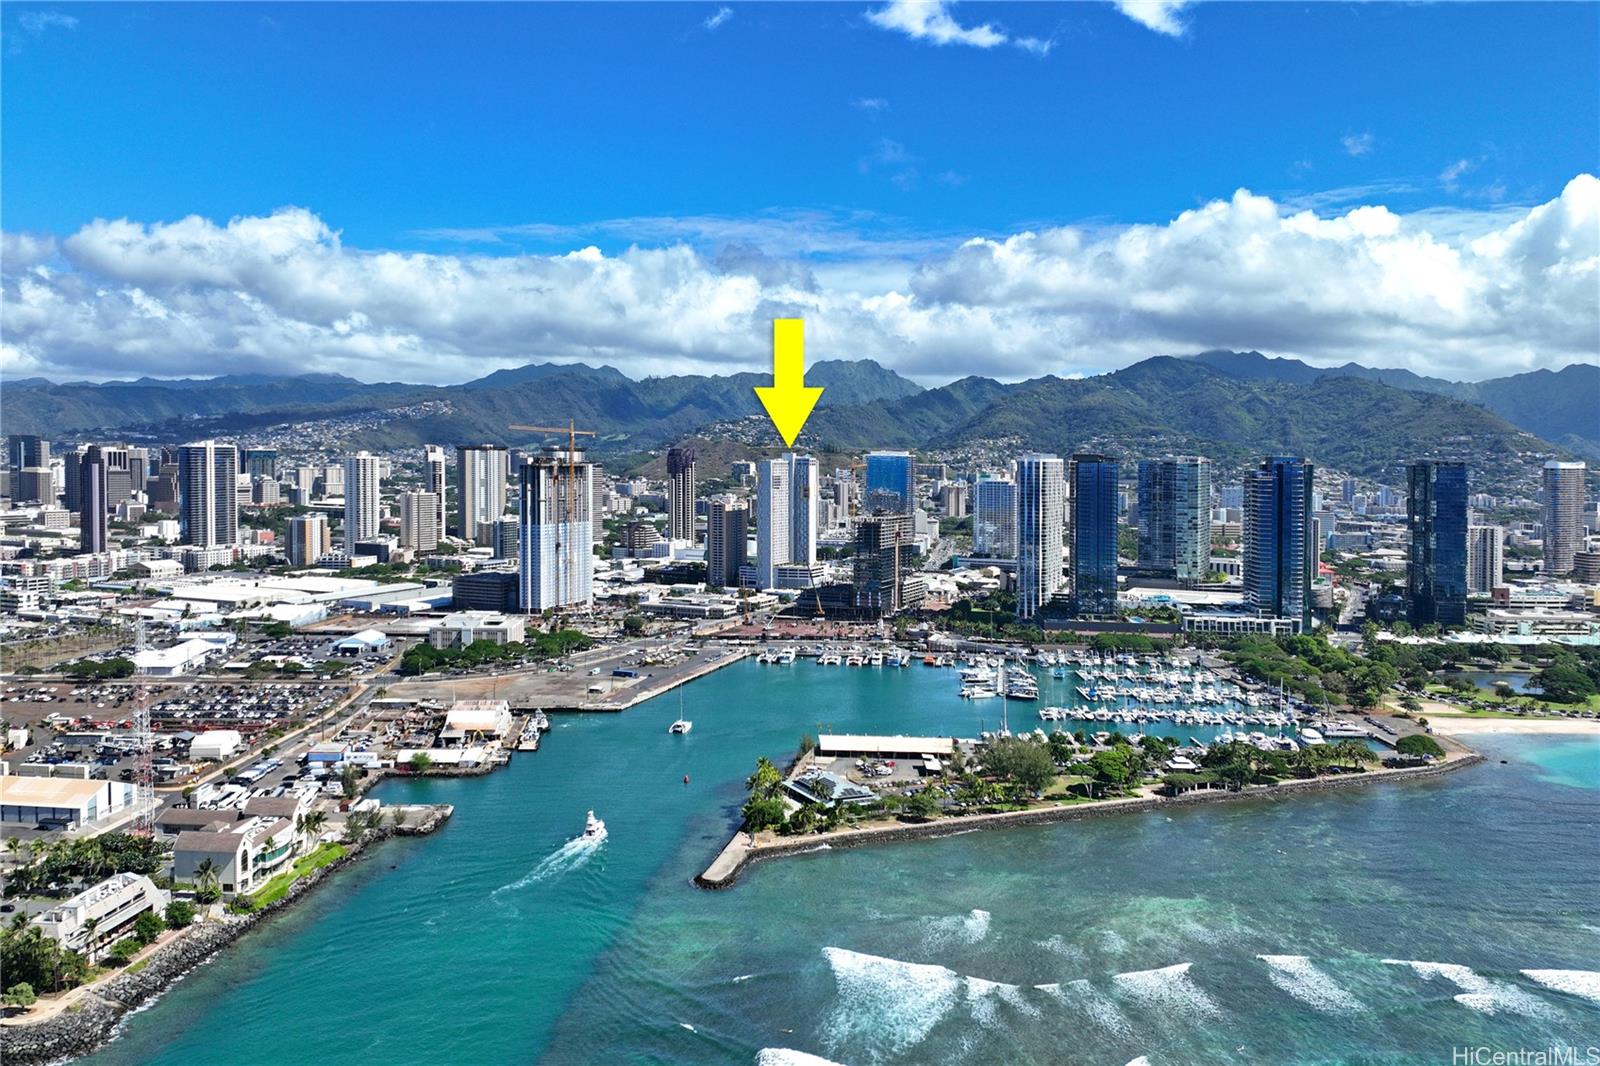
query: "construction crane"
570, 495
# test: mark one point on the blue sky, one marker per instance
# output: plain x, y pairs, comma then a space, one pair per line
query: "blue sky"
807, 138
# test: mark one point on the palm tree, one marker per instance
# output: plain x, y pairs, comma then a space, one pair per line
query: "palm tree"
91, 926
206, 882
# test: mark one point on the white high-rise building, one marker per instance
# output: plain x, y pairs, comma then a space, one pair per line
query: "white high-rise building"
482, 470
1041, 522
556, 548
362, 513
419, 520
786, 515
1485, 559
434, 472
1563, 515
994, 519
208, 501
309, 538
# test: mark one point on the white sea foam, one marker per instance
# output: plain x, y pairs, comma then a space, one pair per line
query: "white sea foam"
1169, 989
1113, 942
572, 855
1142, 1060
1585, 983
886, 1006
743, 977
686, 1025
783, 1056
1300, 978
1086, 1000
1060, 945
1478, 992
985, 997
966, 928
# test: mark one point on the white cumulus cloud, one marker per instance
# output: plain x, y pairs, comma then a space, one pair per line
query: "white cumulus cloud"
1158, 15
931, 21
1456, 293
723, 14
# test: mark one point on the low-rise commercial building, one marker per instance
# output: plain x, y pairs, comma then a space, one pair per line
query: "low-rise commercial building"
463, 627
100, 914
61, 802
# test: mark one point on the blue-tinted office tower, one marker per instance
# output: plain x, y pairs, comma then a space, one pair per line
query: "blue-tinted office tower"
1094, 534
1436, 569
1279, 556
891, 483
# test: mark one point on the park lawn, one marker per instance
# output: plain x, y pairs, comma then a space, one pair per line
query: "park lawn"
278, 887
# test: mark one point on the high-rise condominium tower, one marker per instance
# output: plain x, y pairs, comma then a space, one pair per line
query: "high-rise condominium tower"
362, 514
680, 494
208, 499
1563, 515
482, 470
557, 540
1436, 566
786, 515
1175, 517
1279, 558
1041, 520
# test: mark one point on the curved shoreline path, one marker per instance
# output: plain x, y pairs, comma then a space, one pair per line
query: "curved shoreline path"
611, 958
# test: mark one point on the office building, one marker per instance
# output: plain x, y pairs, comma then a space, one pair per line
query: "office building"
24, 451
362, 500
786, 515
208, 498
1563, 515
486, 590
727, 541
310, 538
557, 539
1436, 566
434, 474
70, 483
1485, 559
1279, 560
260, 462
882, 564
506, 537
161, 489
680, 494
891, 483
1041, 521
994, 519
93, 505
481, 473
953, 500
1175, 517
419, 521
1094, 535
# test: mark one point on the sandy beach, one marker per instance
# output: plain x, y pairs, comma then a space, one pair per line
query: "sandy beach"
1461, 726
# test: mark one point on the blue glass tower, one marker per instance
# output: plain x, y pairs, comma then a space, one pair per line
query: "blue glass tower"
1094, 535
1436, 570
891, 483
1279, 557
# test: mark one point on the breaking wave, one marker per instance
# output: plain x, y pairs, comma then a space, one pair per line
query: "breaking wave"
984, 999
1169, 989
966, 928
1477, 992
1085, 999
782, 1056
1585, 983
1300, 978
885, 1003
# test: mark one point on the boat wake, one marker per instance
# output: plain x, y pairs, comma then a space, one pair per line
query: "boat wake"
1169, 990
1300, 978
1478, 992
1584, 983
573, 855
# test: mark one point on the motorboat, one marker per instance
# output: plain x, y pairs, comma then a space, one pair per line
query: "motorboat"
593, 828
682, 725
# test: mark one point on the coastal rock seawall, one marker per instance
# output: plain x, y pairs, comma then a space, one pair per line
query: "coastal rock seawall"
84, 1026
732, 861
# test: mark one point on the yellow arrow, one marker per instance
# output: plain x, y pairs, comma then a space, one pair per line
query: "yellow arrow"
788, 399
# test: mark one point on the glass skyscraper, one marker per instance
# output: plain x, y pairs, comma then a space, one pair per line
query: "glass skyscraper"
994, 519
1279, 558
1041, 518
1094, 535
1175, 517
1436, 570
891, 483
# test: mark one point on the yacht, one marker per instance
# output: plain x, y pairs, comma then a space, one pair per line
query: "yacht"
1341, 731
1052, 714
593, 828
1310, 737
786, 657
978, 692
682, 725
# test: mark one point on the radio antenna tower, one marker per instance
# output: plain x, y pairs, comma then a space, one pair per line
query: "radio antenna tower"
144, 777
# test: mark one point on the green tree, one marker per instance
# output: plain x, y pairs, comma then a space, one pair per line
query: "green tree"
420, 762
147, 927
123, 951
20, 995
350, 782
1418, 745
923, 806
1114, 768
764, 783
633, 625
1021, 762
762, 812
180, 914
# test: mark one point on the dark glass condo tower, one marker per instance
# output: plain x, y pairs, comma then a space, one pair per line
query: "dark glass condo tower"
1279, 556
1094, 535
1436, 570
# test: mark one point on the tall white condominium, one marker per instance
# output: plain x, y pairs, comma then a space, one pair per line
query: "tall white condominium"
1041, 520
1563, 515
309, 538
680, 494
361, 499
557, 541
994, 518
786, 515
482, 470
1485, 558
208, 501
434, 473
419, 520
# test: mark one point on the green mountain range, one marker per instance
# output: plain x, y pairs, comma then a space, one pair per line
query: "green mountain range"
1228, 405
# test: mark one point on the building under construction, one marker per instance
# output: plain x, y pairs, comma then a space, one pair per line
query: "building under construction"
557, 519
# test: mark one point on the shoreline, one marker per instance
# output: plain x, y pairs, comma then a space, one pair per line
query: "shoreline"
739, 853
88, 1025
1475, 725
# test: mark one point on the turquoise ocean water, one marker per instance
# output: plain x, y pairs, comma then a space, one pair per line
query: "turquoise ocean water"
1378, 925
